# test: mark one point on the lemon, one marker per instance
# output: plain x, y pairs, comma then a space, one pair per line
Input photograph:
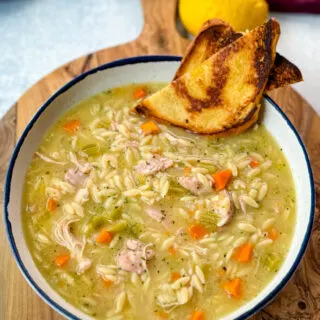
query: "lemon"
241, 14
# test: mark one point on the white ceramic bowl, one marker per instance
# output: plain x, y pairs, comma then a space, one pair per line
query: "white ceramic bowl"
147, 69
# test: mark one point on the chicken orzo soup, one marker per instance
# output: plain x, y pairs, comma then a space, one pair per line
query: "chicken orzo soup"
127, 218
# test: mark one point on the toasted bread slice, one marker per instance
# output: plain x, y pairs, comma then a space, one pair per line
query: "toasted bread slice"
283, 73
222, 94
214, 35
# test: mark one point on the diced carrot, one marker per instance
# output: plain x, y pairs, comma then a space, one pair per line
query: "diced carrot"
162, 314
62, 260
104, 237
72, 126
197, 231
107, 281
221, 179
243, 253
233, 288
254, 163
139, 93
197, 315
273, 234
172, 251
150, 127
51, 204
191, 213
186, 171
175, 276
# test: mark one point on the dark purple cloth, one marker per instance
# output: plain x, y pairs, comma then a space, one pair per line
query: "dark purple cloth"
304, 6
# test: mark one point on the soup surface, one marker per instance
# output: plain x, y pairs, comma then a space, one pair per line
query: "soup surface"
127, 218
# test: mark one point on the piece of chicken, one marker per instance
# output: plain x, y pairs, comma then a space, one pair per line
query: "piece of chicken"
76, 177
134, 256
153, 165
192, 184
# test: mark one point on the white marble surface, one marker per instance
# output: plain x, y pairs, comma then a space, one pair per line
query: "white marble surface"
300, 43
37, 36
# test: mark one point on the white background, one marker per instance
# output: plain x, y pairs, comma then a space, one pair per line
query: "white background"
37, 36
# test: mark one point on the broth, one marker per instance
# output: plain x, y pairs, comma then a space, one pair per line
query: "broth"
133, 221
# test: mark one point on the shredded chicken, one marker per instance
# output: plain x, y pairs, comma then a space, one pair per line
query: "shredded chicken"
76, 177
82, 196
225, 209
167, 299
83, 167
154, 165
83, 265
111, 272
50, 160
65, 238
134, 256
156, 214
192, 184
114, 126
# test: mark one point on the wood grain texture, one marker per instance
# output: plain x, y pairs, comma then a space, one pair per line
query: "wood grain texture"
301, 297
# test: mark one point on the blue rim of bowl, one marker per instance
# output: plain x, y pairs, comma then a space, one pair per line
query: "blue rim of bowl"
118, 63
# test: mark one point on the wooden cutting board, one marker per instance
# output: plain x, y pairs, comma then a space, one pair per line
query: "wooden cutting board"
301, 297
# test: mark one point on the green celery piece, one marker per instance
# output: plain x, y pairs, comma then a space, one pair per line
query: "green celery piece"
118, 226
271, 261
208, 220
91, 149
94, 223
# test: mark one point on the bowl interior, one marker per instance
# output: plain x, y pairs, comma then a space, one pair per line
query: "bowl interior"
135, 70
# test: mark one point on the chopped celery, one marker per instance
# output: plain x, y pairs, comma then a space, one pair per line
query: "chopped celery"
104, 124
94, 223
102, 216
114, 213
91, 149
136, 228
118, 226
176, 187
95, 208
209, 166
271, 261
98, 221
209, 220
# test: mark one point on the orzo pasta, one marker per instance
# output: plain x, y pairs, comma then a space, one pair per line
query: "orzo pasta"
127, 218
